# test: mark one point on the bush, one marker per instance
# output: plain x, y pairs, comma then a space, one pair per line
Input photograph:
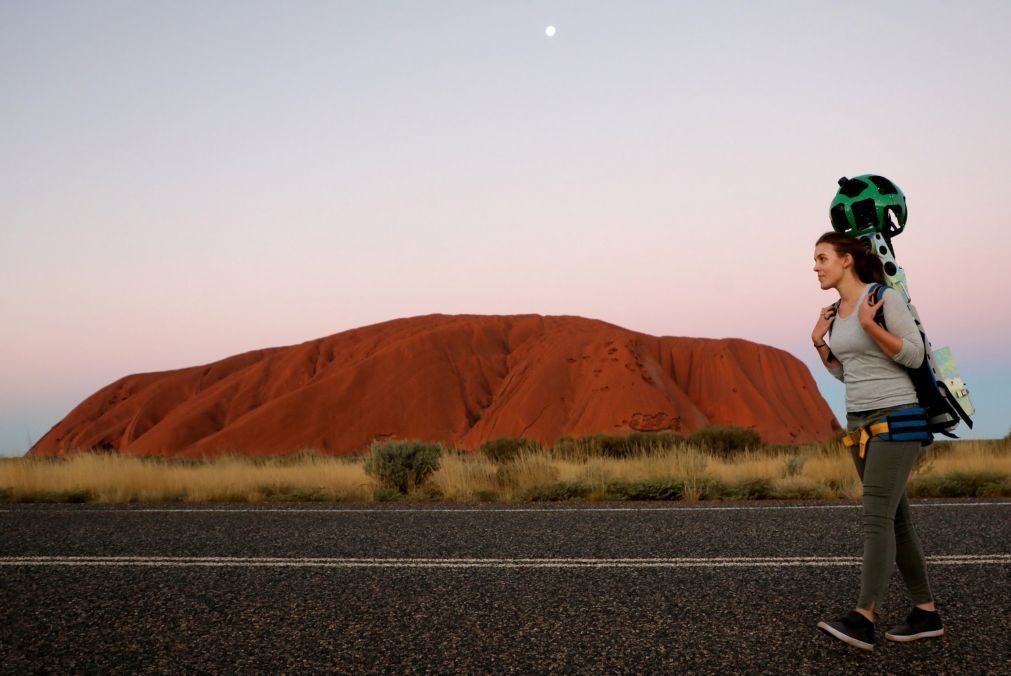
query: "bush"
751, 489
644, 442
572, 448
705, 488
74, 495
507, 449
563, 490
656, 489
403, 465
611, 446
383, 494
615, 446
798, 490
726, 442
961, 485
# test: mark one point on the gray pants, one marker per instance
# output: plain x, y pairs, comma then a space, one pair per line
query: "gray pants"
889, 535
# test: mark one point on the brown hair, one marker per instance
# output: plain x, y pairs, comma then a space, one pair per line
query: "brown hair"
867, 265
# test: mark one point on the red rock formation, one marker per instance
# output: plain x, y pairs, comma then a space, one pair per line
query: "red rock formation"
458, 379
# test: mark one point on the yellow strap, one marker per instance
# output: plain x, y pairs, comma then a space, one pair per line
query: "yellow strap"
865, 436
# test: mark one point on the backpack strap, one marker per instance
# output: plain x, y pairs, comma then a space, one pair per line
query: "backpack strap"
831, 355
836, 306
877, 292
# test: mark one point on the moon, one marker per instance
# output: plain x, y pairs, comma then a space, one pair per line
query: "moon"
550, 31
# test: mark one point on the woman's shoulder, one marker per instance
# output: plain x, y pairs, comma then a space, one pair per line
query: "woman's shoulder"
885, 291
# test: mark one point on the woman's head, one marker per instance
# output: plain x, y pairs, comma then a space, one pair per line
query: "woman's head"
837, 255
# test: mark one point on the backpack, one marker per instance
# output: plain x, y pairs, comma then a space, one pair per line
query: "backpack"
939, 389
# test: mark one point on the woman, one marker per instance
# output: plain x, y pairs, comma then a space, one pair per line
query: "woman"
871, 361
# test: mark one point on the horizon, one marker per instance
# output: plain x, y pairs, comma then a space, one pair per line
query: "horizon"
182, 183
839, 418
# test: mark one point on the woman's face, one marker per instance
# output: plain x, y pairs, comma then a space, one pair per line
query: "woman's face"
830, 266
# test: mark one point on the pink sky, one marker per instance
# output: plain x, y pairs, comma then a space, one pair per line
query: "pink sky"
179, 184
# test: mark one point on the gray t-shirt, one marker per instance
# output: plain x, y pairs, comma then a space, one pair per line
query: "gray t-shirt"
873, 379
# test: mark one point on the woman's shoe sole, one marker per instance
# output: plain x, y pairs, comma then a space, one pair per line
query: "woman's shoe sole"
914, 637
825, 627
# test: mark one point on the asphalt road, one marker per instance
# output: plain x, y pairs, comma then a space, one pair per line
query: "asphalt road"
450, 589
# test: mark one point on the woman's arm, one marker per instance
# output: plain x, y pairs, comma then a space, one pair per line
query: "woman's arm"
825, 319
829, 360
901, 341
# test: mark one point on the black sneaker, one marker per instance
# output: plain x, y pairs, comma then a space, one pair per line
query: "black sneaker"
920, 624
853, 628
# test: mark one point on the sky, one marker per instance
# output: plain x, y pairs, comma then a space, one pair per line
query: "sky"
184, 181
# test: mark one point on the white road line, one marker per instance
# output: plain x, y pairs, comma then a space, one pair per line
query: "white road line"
684, 562
479, 510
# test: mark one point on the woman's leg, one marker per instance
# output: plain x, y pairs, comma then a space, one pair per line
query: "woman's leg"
886, 468
909, 556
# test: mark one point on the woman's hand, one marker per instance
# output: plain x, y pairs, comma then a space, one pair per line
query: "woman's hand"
869, 309
825, 319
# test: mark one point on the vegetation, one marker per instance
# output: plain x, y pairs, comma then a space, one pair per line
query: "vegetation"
726, 442
403, 465
595, 467
507, 449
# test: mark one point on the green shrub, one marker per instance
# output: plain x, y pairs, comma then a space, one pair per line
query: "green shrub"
752, 489
726, 442
571, 448
403, 465
308, 494
961, 485
383, 494
614, 446
798, 491
507, 449
654, 489
485, 495
74, 495
431, 493
563, 490
649, 441
706, 488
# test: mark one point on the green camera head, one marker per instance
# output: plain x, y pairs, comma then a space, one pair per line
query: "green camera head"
868, 204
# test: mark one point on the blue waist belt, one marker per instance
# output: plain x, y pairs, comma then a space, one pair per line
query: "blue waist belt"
908, 424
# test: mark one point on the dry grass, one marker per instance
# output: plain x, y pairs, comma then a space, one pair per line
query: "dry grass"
114, 478
968, 456
972, 468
